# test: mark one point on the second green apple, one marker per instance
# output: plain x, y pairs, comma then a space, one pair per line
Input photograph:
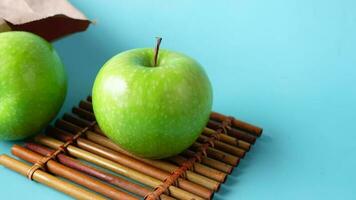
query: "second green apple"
152, 111
33, 84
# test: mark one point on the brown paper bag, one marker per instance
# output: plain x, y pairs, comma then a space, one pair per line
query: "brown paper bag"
51, 19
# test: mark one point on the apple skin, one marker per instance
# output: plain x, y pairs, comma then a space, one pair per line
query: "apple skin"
152, 112
33, 84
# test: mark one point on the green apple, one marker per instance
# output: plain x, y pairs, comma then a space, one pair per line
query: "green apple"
152, 111
33, 84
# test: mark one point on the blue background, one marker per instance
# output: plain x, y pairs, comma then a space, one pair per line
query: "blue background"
288, 66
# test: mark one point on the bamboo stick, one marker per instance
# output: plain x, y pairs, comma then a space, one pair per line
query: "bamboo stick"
72, 175
228, 139
223, 147
238, 124
203, 169
134, 164
115, 167
216, 164
86, 105
49, 180
76, 120
83, 113
81, 122
109, 178
217, 154
239, 134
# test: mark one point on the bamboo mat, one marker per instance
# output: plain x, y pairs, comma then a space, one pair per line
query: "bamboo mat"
75, 139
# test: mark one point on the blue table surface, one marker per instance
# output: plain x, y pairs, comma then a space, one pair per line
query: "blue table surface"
287, 66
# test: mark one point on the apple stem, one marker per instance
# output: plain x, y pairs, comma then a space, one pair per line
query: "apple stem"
159, 39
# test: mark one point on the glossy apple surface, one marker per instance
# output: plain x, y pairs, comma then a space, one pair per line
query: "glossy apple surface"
153, 112
32, 84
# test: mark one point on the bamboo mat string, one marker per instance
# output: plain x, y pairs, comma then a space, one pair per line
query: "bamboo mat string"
41, 164
226, 124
